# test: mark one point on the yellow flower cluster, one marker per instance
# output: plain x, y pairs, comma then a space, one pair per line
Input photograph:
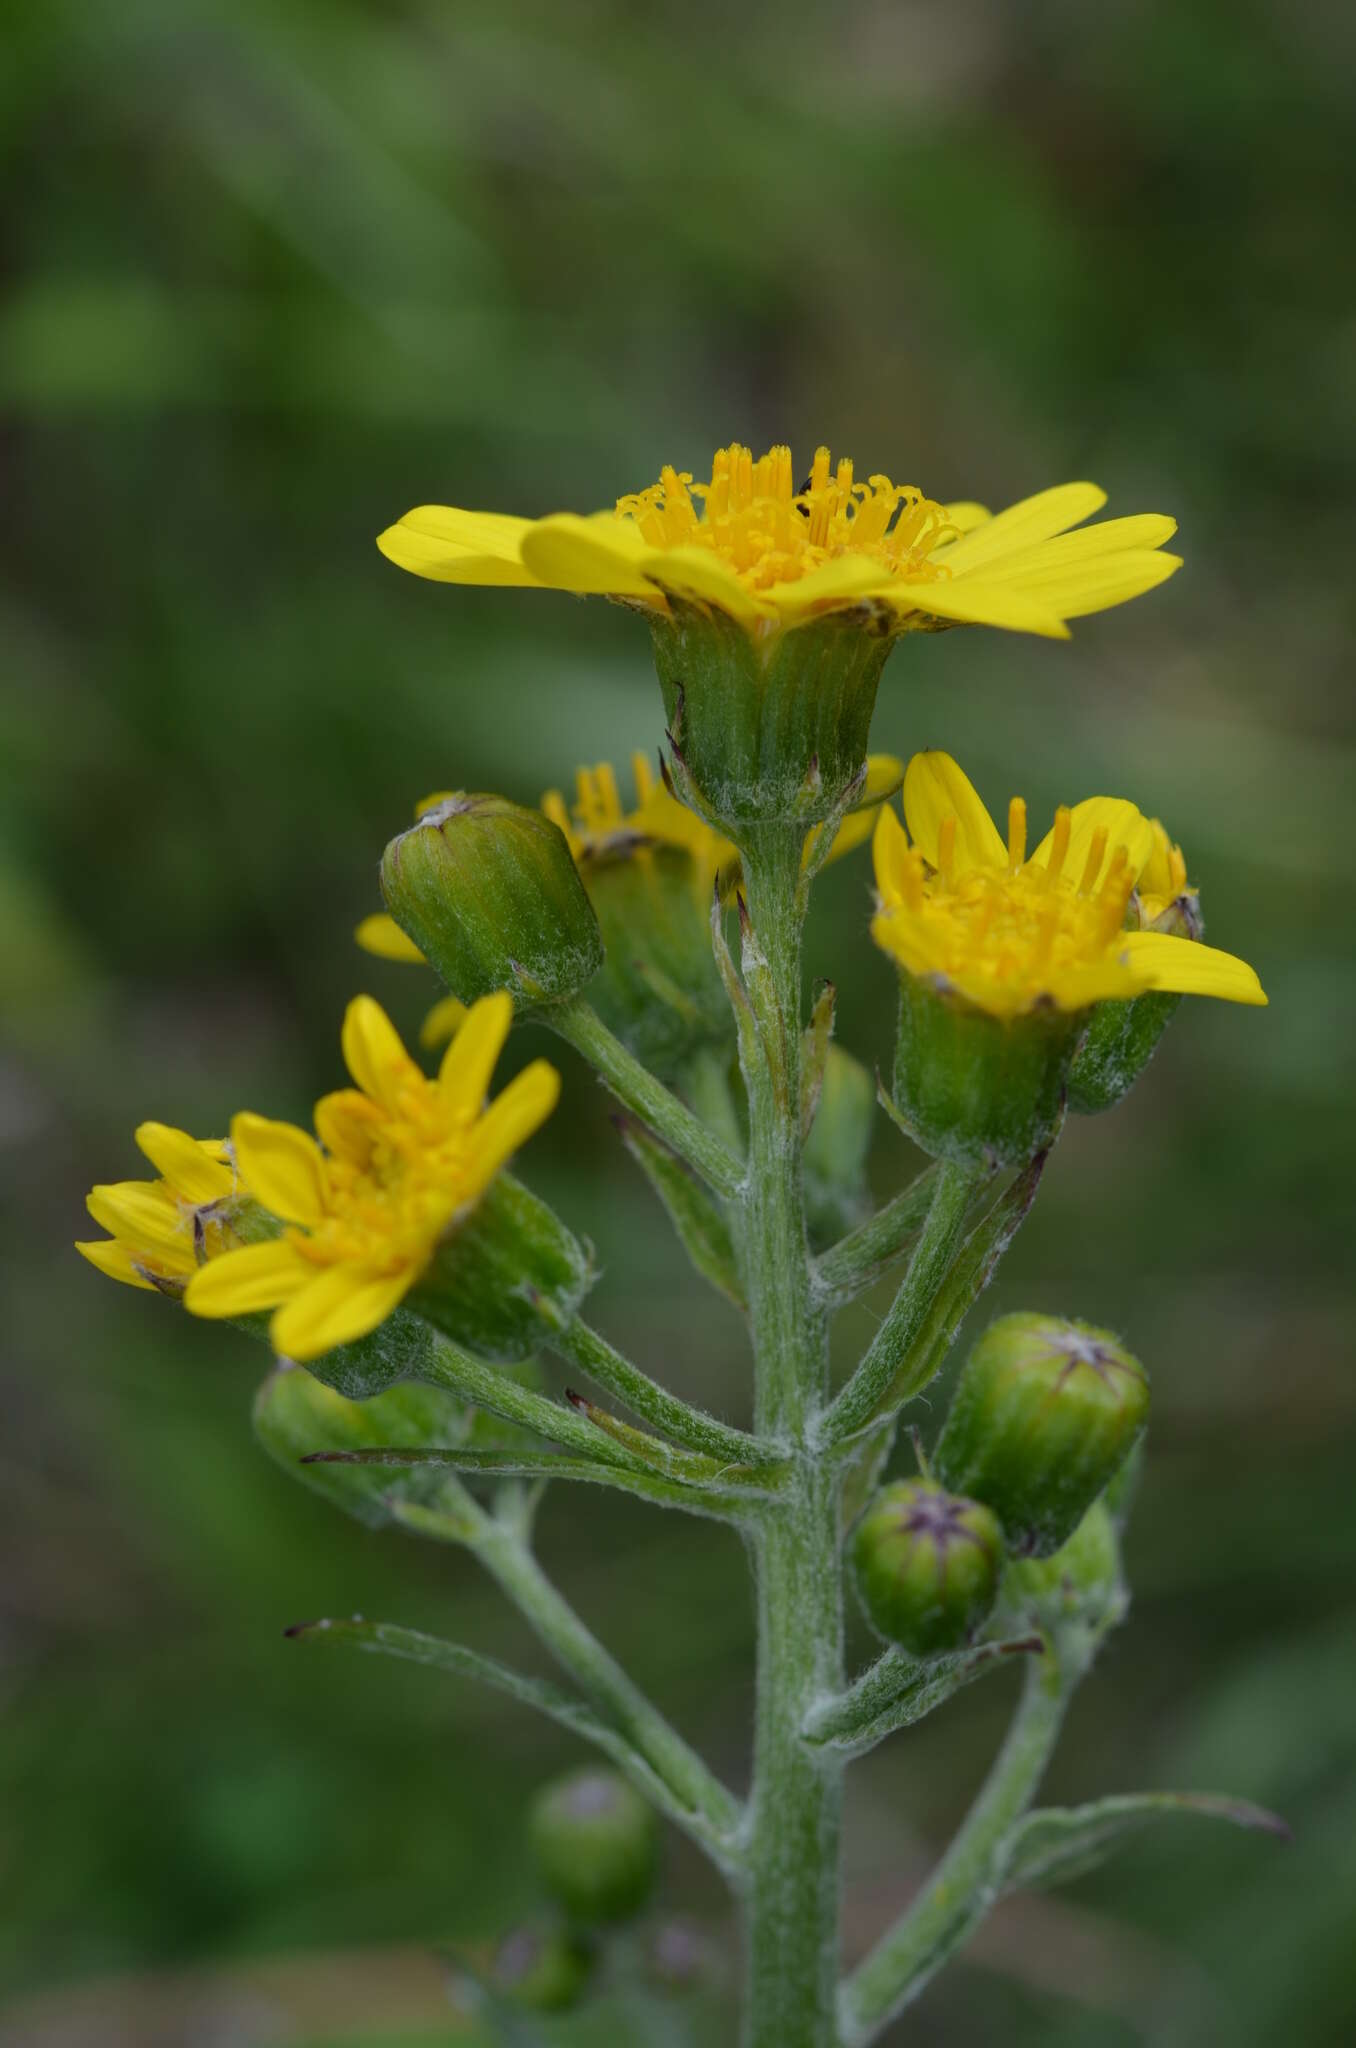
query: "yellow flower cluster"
961, 906
770, 555
399, 1162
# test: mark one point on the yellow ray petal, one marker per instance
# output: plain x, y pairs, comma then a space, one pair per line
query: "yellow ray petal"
442, 1022
468, 1063
242, 1283
1125, 825
966, 515
145, 1214
1140, 531
889, 852
345, 1122
114, 1259
1185, 967
600, 554
452, 546
1097, 585
966, 601
690, 572
1024, 524
512, 1118
380, 934
339, 1305
937, 788
840, 581
196, 1169
282, 1167
374, 1054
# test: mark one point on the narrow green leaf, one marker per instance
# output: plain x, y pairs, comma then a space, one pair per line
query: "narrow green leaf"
898, 1690
1060, 1842
695, 1215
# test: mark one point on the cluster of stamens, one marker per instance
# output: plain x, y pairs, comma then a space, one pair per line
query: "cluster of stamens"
752, 517
1014, 929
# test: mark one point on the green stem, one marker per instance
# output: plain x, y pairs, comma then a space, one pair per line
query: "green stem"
592, 1353
796, 1815
968, 1878
857, 1404
580, 1026
858, 1259
715, 1812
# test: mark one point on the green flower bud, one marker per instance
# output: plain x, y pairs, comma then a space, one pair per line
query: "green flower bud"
544, 1969
769, 727
1045, 1413
488, 892
596, 1845
983, 1090
927, 1565
508, 1275
295, 1415
835, 1151
1078, 1594
659, 990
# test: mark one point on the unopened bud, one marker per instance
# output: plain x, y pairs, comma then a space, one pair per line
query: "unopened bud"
927, 1565
596, 1845
489, 894
545, 1969
1045, 1413
1077, 1594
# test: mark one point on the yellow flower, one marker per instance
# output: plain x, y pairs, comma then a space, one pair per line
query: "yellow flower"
403, 1160
1013, 934
771, 555
162, 1230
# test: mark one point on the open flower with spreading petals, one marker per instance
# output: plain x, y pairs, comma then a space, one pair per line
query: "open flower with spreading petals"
771, 554
161, 1231
1011, 933
400, 1161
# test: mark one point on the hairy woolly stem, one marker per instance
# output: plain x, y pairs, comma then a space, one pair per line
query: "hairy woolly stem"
579, 1024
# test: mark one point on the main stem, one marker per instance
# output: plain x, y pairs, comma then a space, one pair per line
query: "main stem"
796, 1807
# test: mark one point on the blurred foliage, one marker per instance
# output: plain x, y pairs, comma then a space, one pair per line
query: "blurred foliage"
276, 272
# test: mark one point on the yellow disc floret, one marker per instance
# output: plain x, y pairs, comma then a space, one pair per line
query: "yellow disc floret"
961, 905
400, 1160
752, 517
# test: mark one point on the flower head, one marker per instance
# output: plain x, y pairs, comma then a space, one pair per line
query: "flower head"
401, 1159
1164, 899
162, 1230
752, 544
959, 906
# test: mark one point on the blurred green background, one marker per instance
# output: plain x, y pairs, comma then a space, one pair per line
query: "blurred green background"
276, 272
